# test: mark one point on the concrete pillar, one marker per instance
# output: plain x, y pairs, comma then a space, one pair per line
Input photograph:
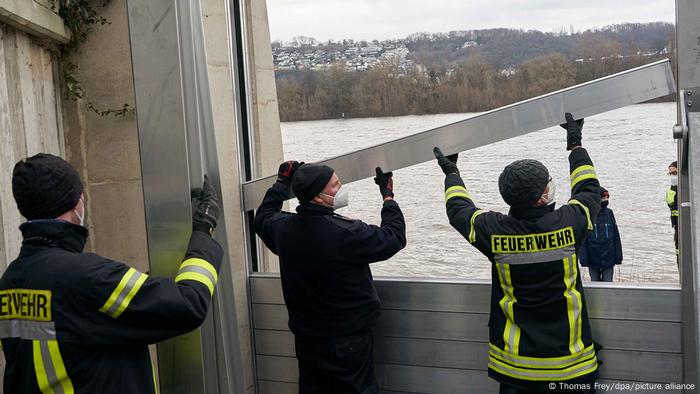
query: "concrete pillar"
265, 118
223, 97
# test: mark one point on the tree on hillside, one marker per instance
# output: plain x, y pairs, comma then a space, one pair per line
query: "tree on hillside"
544, 74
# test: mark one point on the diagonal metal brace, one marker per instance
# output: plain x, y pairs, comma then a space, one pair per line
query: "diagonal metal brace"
591, 98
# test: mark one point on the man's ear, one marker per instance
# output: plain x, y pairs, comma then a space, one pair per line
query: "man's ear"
317, 200
539, 202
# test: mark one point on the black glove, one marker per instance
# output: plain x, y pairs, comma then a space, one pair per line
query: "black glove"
573, 131
448, 164
385, 182
286, 170
205, 207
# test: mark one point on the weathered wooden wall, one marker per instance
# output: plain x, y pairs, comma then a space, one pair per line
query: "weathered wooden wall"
30, 121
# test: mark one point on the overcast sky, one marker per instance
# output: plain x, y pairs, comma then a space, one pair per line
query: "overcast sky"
383, 19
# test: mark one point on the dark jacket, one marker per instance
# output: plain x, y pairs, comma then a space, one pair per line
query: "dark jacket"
538, 328
602, 248
78, 322
324, 262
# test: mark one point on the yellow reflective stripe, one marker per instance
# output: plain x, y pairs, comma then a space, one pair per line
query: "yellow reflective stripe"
41, 377
670, 196
541, 362
582, 177
585, 209
581, 173
574, 305
674, 212
571, 372
195, 262
580, 169
456, 191
60, 368
155, 382
511, 332
197, 277
127, 288
127, 300
453, 188
115, 294
453, 195
579, 300
472, 232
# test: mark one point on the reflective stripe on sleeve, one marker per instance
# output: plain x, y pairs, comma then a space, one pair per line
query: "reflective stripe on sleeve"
49, 368
582, 173
585, 209
127, 288
472, 232
198, 270
456, 191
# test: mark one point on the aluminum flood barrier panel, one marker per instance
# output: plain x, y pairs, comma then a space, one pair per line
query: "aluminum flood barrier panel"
432, 336
591, 98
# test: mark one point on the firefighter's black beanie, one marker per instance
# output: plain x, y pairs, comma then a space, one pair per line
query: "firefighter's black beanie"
309, 179
45, 186
674, 164
522, 182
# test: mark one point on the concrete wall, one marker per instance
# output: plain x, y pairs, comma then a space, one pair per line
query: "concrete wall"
29, 121
225, 121
105, 148
264, 113
36, 17
264, 123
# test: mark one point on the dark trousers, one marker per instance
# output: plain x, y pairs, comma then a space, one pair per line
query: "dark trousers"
337, 365
507, 389
601, 274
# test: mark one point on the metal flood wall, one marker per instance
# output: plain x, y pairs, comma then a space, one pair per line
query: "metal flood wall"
178, 146
687, 132
432, 336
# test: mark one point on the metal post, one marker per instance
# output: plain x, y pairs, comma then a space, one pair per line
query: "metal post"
688, 127
178, 146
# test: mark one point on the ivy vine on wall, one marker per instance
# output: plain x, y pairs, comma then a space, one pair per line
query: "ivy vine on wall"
80, 17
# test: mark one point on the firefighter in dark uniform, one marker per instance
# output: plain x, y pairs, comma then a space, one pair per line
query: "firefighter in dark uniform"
326, 279
74, 322
672, 201
539, 333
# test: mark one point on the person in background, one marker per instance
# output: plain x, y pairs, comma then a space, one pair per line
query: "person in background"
672, 201
326, 280
602, 249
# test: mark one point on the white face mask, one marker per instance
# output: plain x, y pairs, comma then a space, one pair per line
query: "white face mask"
549, 196
80, 217
673, 180
341, 198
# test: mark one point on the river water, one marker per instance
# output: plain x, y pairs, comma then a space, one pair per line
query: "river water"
630, 147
